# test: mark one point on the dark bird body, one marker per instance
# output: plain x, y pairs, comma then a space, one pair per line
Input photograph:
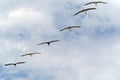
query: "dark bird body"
84, 10
48, 42
69, 28
29, 54
95, 2
14, 63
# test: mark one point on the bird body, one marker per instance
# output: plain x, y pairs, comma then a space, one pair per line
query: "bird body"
14, 63
69, 28
29, 54
84, 10
95, 2
48, 42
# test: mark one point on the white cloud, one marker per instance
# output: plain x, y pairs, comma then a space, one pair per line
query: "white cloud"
26, 15
29, 19
79, 55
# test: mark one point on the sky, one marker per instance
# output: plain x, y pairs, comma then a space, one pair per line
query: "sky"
87, 53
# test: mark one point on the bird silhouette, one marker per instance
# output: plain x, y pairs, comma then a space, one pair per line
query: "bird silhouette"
29, 54
84, 10
69, 28
96, 2
14, 63
48, 42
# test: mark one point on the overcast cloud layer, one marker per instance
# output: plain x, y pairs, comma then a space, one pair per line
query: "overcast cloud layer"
88, 53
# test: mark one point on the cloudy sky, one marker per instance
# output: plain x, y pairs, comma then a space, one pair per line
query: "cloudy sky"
89, 53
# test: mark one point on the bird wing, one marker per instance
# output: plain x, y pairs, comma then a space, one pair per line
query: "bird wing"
64, 28
78, 12
101, 2
90, 9
55, 41
89, 3
36, 53
33, 53
9, 64
42, 43
24, 55
20, 62
75, 27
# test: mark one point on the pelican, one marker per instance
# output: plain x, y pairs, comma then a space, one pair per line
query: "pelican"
84, 10
96, 2
48, 42
69, 28
14, 63
29, 54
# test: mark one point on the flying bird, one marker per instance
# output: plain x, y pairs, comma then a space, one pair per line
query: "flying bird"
14, 63
96, 2
48, 42
29, 54
69, 28
84, 10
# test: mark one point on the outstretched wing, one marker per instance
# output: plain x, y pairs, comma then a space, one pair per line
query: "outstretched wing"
101, 2
42, 43
34, 53
20, 62
24, 55
54, 40
9, 64
64, 29
89, 3
90, 9
78, 12
75, 27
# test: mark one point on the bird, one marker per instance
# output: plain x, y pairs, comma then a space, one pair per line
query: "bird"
14, 63
84, 10
69, 28
96, 2
48, 42
29, 54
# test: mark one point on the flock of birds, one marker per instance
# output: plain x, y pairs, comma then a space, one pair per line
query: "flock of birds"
66, 28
